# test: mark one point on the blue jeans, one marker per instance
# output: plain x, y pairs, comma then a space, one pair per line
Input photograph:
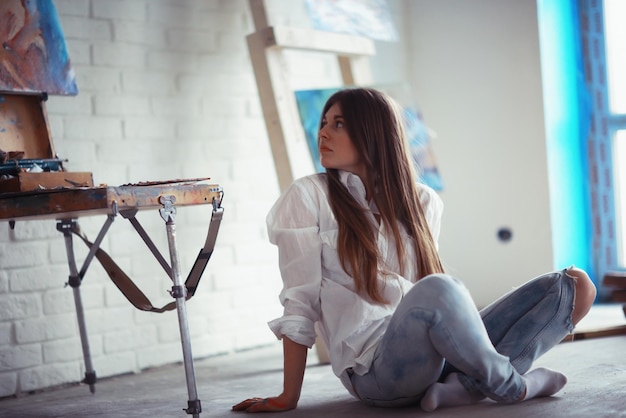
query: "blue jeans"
437, 329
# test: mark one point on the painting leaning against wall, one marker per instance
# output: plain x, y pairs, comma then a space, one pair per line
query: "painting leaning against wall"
33, 57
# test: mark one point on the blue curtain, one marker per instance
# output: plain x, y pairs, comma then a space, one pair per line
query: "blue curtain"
567, 119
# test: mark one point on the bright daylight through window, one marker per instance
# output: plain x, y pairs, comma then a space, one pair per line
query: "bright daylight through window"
615, 33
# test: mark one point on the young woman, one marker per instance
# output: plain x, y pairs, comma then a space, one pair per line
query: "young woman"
358, 256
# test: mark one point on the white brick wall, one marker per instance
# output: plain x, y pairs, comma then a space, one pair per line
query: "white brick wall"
166, 90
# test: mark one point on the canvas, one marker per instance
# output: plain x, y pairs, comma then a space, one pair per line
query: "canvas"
369, 18
33, 57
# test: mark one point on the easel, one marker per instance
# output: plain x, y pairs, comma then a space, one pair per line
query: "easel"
66, 206
265, 45
287, 139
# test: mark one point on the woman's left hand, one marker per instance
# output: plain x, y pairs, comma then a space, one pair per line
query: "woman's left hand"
275, 404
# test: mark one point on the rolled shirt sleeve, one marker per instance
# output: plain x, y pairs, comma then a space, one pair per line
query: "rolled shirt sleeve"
293, 226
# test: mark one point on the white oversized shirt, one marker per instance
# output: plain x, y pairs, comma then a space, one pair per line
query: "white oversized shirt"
315, 286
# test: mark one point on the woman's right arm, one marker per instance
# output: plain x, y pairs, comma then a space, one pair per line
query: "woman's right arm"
293, 226
294, 365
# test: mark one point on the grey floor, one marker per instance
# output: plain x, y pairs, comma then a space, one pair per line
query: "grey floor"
596, 370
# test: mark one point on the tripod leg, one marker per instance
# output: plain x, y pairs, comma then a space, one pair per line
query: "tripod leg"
179, 292
74, 281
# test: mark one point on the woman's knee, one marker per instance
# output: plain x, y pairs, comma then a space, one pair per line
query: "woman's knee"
440, 288
585, 293
585, 288
441, 282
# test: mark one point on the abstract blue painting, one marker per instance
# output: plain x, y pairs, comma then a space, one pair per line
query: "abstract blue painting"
33, 57
310, 105
368, 18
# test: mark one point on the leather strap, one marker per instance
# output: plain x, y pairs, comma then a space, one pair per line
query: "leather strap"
134, 295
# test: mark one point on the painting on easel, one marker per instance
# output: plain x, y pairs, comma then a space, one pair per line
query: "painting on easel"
368, 18
33, 57
311, 102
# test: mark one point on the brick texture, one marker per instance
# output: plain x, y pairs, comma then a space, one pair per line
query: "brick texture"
166, 90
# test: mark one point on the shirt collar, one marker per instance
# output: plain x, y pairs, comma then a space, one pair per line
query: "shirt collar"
357, 189
354, 185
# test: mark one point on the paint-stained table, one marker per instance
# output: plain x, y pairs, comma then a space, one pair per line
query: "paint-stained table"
67, 205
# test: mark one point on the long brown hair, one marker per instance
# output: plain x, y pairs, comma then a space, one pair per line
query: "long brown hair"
373, 122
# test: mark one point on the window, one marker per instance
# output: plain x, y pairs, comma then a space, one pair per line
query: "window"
604, 56
614, 34
619, 165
